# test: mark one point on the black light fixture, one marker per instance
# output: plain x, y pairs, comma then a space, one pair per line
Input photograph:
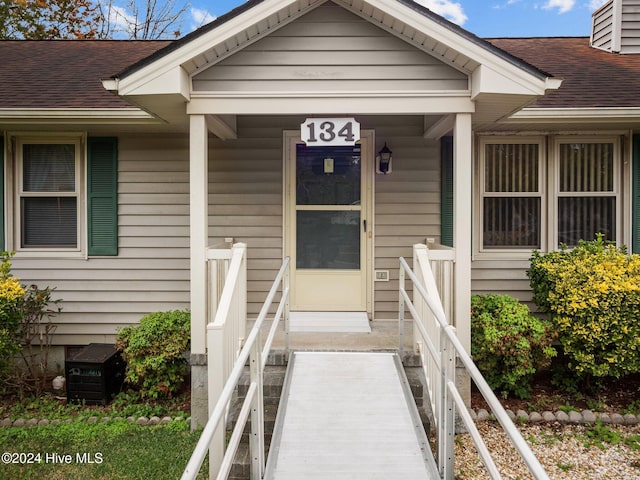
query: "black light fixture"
384, 159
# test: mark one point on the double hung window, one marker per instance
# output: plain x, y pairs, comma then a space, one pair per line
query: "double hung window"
48, 194
586, 190
512, 199
539, 195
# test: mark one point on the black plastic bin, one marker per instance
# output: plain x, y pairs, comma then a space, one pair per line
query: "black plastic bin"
94, 374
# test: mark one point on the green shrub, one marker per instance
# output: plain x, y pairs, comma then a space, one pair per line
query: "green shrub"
154, 351
25, 331
592, 295
508, 343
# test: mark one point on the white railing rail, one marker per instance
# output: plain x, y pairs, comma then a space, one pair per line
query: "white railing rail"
440, 349
227, 312
213, 435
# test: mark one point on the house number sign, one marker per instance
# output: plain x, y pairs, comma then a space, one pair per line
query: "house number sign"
320, 132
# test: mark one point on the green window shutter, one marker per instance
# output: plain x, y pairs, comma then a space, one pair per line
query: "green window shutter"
102, 195
446, 200
2, 218
635, 248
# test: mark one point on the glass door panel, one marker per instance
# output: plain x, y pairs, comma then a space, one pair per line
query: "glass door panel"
328, 239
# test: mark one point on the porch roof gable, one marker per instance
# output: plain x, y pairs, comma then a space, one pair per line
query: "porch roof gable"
492, 71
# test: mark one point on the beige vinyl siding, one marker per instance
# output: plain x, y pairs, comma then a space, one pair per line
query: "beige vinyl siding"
616, 27
603, 28
245, 198
151, 271
501, 276
630, 27
329, 49
407, 202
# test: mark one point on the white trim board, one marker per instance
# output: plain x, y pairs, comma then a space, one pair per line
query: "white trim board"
340, 322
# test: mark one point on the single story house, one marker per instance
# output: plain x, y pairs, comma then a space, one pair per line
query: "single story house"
124, 160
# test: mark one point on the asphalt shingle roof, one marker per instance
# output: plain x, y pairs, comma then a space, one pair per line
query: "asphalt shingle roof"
591, 77
65, 73
68, 74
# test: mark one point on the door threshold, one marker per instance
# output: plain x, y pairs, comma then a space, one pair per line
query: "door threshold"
338, 322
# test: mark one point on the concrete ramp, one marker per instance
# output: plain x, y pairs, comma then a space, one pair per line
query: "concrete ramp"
345, 416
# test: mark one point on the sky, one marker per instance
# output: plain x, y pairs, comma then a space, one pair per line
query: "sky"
485, 18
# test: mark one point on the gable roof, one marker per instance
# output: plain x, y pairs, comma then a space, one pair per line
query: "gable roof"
67, 75
499, 83
418, 8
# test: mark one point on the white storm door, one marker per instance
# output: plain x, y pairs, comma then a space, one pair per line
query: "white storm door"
327, 222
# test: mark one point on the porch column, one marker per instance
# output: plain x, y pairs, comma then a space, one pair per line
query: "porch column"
199, 238
462, 220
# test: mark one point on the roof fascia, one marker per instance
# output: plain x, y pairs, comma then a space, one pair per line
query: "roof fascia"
563, 115
66, 115
168, 68
485, 79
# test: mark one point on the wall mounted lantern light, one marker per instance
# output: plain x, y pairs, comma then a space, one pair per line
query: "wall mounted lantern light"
383, 160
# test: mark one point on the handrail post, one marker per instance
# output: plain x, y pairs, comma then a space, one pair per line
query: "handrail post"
216, 381
257, 410
448, 417
285, 288
401, 281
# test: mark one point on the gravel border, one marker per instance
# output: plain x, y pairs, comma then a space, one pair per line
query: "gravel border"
586, 417
142, 421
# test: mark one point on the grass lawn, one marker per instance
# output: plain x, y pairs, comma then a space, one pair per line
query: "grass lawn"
110, 450
100, 450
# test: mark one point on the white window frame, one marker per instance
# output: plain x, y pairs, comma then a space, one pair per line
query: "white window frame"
556, 142
15, 171
509, 252
549, 188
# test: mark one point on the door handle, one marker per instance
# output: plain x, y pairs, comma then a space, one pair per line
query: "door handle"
364, 222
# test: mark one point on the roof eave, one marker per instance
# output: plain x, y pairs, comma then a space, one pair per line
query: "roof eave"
74, 115
581, 114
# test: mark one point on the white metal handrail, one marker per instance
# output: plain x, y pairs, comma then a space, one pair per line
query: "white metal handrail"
442, 350
254, 402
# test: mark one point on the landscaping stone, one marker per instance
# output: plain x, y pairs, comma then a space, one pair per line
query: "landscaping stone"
588, 416
604, 418
535, 417
92, 420
562, 416
154, 421
42, 422
575, 417
6, 422
165, 420
105, 419
20, 422
548, 416
522, 416
510, 414
142, 421
131, 419
32, 422
630, 419
617, 419
483, 415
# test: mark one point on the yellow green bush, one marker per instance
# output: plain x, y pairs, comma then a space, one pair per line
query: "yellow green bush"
592, 296
25, 331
